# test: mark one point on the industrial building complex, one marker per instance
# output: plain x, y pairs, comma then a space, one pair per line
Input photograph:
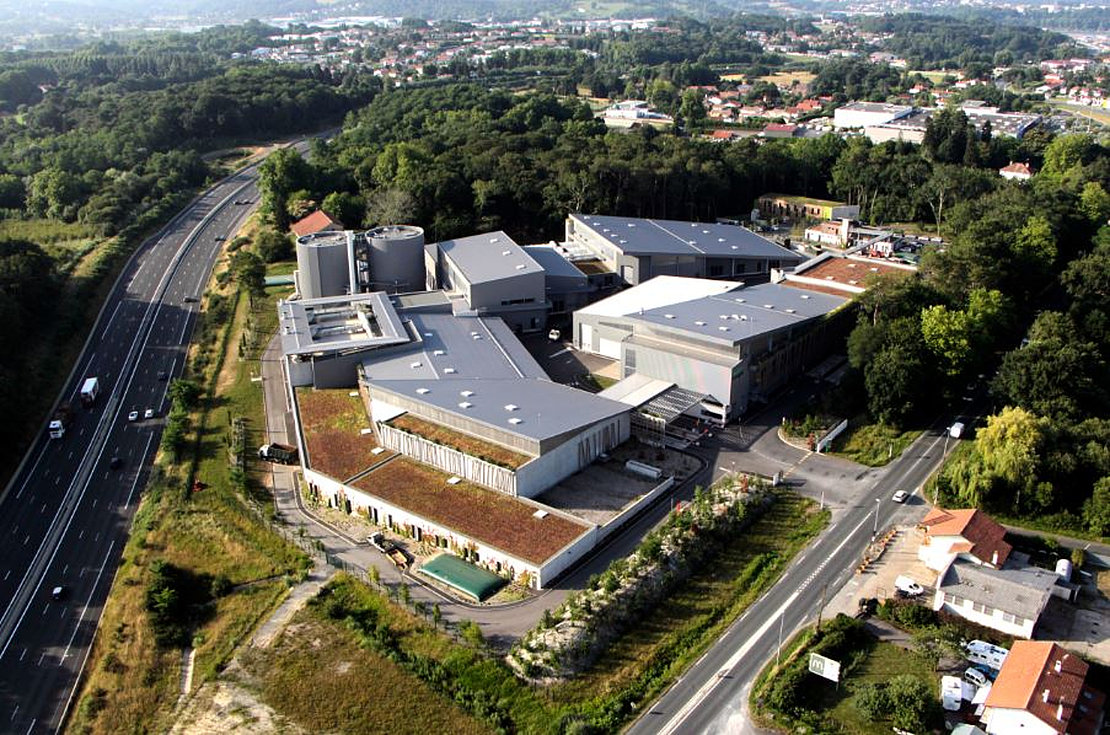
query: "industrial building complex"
464, 439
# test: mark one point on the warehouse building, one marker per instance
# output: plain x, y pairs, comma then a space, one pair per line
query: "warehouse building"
863, 114
728, 343
636, 250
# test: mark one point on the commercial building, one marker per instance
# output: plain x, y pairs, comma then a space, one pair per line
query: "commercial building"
728, 343
491, 275
466, 421
1043, 689
331, 263
863, 114
788, 206
636, 250
911, 127
1008, 600
968, 534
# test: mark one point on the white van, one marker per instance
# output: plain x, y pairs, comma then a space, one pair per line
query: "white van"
956, 430
986, 654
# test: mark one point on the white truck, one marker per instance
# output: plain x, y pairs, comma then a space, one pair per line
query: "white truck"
61, 420
90, 389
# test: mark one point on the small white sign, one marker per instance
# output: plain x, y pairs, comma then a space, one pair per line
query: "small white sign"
824, 667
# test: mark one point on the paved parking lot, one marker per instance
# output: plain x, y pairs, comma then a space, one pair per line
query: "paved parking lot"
900, 557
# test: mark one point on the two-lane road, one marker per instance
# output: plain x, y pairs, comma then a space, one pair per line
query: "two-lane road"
710, 697
65, 516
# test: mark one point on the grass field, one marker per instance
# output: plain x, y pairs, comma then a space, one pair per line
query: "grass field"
785, 79
132, 684
883, 662
936, 77
317, 655
872, 444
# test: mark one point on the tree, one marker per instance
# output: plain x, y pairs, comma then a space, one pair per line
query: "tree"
283, 172
947, 335
300, 204
894, 382
946, 136
273, 246
1008, 445
1094, 202
406, 593
912, 703
1066, 154
375, 577
250, 272
1096, 509
872, 700
437, 615
389, 206
1036, 241
344, 207
472, 633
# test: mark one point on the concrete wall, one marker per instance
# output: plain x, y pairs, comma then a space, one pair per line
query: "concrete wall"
396, 404
449, 460
617, 522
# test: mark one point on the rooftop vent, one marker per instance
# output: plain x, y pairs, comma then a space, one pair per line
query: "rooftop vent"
705, 232
805, 296
790, 311
700, 324
734, 247
723, 329
495, 239
466, 393
874, 270
438, 352
423, 391
415, 365
465, 404
521, 267
541, 514
449, 371
427, 334
511, 407
720, 239
475, 336
515, 421
739, 301
668, 316
506, 252
768, 306
454, 480
631, 224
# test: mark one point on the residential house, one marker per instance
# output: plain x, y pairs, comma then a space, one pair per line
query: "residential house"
316, 222
1016, 172
967, 534
1006, 600
1043, 688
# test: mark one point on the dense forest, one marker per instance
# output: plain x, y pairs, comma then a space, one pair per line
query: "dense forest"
941, 42
96, 149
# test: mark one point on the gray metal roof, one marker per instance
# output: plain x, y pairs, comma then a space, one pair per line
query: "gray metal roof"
634, 236
1023, 592
553, 263
492, 256
446, 346
536, 409
736, 316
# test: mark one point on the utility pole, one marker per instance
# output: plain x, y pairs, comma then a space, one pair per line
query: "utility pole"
778, 652
875, 528
821, 609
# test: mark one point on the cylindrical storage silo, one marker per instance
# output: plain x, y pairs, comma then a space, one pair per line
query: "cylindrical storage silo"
396, 258
323, 265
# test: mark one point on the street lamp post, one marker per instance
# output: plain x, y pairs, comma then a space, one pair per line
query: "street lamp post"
875, 528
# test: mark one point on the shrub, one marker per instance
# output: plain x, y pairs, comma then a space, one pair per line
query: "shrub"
872, 700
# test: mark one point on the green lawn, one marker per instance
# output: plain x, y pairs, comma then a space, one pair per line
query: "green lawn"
884, 662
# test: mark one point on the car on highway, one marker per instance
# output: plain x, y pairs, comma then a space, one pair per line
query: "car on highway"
58, 593
219, 238
163, 376
190, 299
148, 414
133, 416
900, 496
115, 462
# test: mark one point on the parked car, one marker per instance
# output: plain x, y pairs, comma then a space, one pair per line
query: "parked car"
974, 676
907, 586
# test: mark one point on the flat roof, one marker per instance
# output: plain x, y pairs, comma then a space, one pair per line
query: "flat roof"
532, 408
874, 107
553, 262
445, 346
491, 256
636, 390
338, 323
742, 314
635, 236
473, 581
847, 272
659, 291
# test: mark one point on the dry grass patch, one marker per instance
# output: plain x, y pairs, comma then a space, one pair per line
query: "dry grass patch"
490, 517
473, 446
315, 659
787, 79
333, 421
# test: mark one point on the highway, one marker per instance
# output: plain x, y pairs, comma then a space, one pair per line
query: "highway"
711, 697
65, 516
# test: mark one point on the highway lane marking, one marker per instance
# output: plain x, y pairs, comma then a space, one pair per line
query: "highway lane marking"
41, 657
32, 472
7, 574
88, 601
127, 503
22, 655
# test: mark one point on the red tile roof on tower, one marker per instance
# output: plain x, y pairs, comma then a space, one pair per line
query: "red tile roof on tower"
1045, 680
313, 223
985, 536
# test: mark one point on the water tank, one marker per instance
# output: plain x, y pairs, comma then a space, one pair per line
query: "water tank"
396, 258
323, 265
1063, 569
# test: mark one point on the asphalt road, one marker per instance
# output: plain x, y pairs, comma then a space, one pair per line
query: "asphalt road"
65, 516
711, 696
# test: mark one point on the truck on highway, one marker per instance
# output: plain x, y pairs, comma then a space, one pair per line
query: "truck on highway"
90, 389
279, 453
61, 420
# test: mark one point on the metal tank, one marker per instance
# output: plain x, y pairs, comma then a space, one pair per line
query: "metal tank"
323, 265
396, 258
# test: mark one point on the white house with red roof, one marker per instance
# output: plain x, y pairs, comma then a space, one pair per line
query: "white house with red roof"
316, 222
968, 534
1042, 690
1016, 172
